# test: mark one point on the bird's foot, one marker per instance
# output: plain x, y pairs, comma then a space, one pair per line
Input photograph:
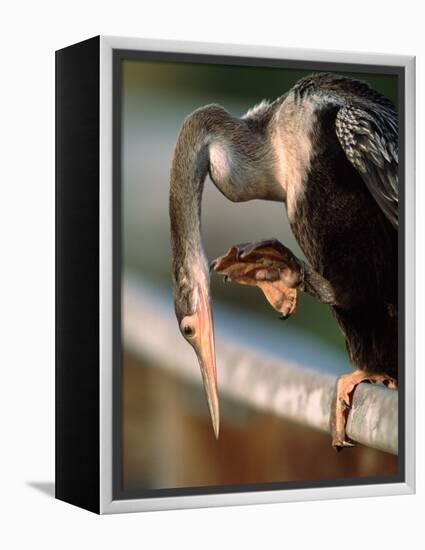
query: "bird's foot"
343, 401
268, 265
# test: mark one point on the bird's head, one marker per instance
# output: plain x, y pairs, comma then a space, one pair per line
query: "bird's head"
193, 311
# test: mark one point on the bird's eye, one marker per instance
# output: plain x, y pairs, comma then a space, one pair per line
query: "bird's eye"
188, 331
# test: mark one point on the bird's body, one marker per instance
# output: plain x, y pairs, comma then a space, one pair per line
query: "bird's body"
349, 241
342, 230
328, 149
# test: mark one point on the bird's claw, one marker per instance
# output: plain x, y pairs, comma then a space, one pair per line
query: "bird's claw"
212, 265
244, 250
340, 443
268, 265
267, 249
343, 402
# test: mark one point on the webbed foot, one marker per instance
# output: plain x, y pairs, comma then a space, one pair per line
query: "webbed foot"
267, 264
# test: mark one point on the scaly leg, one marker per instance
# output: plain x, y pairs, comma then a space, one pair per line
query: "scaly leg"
343, 401
273, 268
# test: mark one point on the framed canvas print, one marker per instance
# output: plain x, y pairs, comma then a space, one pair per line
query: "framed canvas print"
289, 176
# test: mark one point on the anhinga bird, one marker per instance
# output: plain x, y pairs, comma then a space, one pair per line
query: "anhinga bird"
328, 149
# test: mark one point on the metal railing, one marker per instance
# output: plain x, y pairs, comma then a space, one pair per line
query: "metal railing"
285, 388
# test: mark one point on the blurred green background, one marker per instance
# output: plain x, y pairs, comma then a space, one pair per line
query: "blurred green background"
156, 97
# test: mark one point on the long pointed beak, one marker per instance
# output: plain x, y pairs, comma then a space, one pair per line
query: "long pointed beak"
205, 350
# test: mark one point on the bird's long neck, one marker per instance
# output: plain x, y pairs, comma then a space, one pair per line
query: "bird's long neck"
238, 160
188, 172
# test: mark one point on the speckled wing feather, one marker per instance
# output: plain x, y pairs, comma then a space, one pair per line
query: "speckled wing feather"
369, 138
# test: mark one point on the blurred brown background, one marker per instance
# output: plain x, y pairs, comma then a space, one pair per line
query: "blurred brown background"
167, 440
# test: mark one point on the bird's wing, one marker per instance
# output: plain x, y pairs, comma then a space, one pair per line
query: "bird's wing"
369, 138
